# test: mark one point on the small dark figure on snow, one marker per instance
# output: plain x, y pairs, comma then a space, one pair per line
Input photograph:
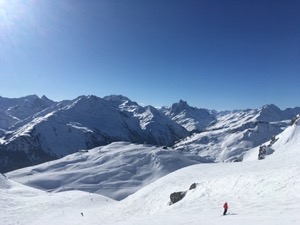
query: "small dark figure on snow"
81, 214
225, 206
262, 152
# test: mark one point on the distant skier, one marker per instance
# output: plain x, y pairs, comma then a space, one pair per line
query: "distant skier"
225, 206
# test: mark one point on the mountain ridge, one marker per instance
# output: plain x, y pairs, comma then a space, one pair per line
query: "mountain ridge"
49, 130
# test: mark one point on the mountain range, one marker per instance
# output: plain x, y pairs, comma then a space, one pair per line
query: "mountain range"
262, 192
34, 130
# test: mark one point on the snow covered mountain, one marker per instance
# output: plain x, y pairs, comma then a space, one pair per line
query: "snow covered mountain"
84, 123
191, 118
35, 130
155, 127
235, 132
262, 192
17, 109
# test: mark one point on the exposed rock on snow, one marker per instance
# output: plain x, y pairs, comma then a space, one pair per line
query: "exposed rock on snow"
177, 196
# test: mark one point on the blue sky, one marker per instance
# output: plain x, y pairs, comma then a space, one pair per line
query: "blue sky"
221, 54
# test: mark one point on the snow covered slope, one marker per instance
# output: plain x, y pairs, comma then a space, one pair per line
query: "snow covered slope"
191, 118
25, 206
153, 126
116, 170
283, 146
20, 108
261, 192
84, 123
236, 132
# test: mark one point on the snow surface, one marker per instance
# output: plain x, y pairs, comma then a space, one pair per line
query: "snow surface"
234, 134
258, 192
116, 170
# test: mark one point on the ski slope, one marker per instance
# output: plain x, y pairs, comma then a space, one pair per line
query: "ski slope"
258, 192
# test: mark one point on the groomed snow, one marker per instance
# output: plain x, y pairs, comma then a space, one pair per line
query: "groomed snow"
258, 192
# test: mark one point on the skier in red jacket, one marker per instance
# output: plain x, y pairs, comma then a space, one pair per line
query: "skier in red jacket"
225, 206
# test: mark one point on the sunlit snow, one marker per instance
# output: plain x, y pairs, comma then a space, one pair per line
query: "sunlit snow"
257, 191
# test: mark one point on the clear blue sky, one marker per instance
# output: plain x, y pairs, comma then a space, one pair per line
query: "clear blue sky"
216, 54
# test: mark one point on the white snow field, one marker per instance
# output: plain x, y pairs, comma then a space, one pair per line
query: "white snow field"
115, 170
258, 192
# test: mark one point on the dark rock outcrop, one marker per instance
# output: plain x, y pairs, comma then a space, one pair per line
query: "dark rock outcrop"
193, 186
177, 196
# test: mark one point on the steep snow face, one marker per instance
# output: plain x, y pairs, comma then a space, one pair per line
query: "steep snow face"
282, 144
116, 170
288, 139
191, 118
160, 129
152, 124
95, 113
